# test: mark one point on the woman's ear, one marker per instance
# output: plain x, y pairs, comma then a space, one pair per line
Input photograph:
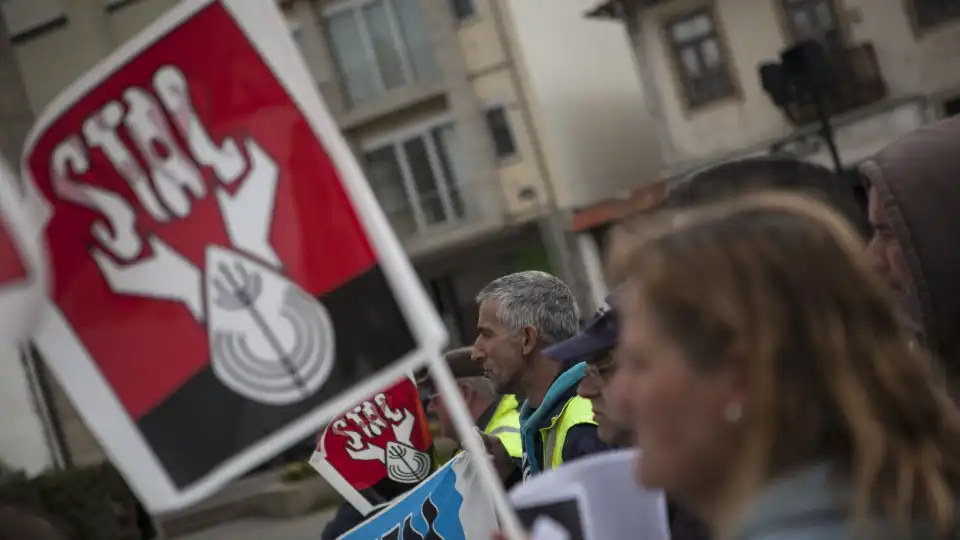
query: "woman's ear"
736, 378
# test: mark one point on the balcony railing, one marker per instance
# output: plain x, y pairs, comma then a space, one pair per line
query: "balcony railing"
855, 80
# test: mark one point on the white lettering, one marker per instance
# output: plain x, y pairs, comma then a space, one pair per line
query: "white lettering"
391, 414
354, 441
174, 176
374, 420
100, 131
226, 160
118, 234
354, 417
366, 421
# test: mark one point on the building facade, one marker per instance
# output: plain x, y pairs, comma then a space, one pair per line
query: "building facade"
480, 124
896, 64
893, 67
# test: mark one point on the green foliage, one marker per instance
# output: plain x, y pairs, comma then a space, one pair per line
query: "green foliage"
297, 471
85, 503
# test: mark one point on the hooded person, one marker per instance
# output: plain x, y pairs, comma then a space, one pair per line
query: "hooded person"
914, 210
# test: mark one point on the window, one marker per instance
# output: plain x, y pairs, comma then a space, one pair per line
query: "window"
951, 107
113, 5
499, 125
700, 58
930, 13
463, 9
809, 19
416, 180
379, 45
26, 19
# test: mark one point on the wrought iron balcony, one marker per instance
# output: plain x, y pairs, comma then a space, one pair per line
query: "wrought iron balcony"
854, 80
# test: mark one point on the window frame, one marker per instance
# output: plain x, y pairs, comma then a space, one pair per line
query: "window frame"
114, 5
681, 77
469, 19
24, 24
424, 131
919, 29
950, 102
789, 28
355, 8
515, 154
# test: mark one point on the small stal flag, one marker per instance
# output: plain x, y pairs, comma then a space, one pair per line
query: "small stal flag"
378, 449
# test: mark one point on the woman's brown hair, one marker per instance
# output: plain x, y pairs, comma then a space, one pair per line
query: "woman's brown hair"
780, 285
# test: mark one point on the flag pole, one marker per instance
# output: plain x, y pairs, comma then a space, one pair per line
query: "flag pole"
457, 408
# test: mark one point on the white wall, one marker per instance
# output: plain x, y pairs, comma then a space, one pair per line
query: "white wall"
580, 80
23, 442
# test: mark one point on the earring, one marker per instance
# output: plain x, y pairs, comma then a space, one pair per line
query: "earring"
733, 412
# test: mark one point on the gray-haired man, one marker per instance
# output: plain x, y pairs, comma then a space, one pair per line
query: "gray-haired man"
521, 314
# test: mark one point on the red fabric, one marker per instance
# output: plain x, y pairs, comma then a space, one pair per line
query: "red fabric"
146, 348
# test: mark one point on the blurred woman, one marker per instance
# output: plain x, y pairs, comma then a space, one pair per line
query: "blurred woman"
769, 383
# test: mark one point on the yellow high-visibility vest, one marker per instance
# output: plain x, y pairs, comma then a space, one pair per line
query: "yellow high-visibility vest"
576, 411
505, 425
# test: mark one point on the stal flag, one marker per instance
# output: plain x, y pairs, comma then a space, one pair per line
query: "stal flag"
378, 449
223, 274
450, 505
23, 264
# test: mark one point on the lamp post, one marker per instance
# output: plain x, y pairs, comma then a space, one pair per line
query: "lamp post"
803, 76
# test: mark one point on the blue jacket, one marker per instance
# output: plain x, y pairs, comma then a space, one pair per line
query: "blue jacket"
581, 439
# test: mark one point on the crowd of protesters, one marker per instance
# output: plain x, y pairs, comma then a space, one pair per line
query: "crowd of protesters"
786, 377
786, 363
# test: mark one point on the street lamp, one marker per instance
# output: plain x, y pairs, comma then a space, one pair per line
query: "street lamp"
804, 75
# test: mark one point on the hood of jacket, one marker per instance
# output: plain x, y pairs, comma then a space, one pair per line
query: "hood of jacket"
917, 179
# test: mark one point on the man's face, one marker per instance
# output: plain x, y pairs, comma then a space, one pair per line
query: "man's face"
498, 349
884, 248
436, 404
593, 386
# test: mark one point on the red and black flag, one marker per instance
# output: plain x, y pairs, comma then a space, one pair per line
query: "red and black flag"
378, 449
214, 285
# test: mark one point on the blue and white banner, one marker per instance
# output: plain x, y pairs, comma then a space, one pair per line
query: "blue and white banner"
449, 505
